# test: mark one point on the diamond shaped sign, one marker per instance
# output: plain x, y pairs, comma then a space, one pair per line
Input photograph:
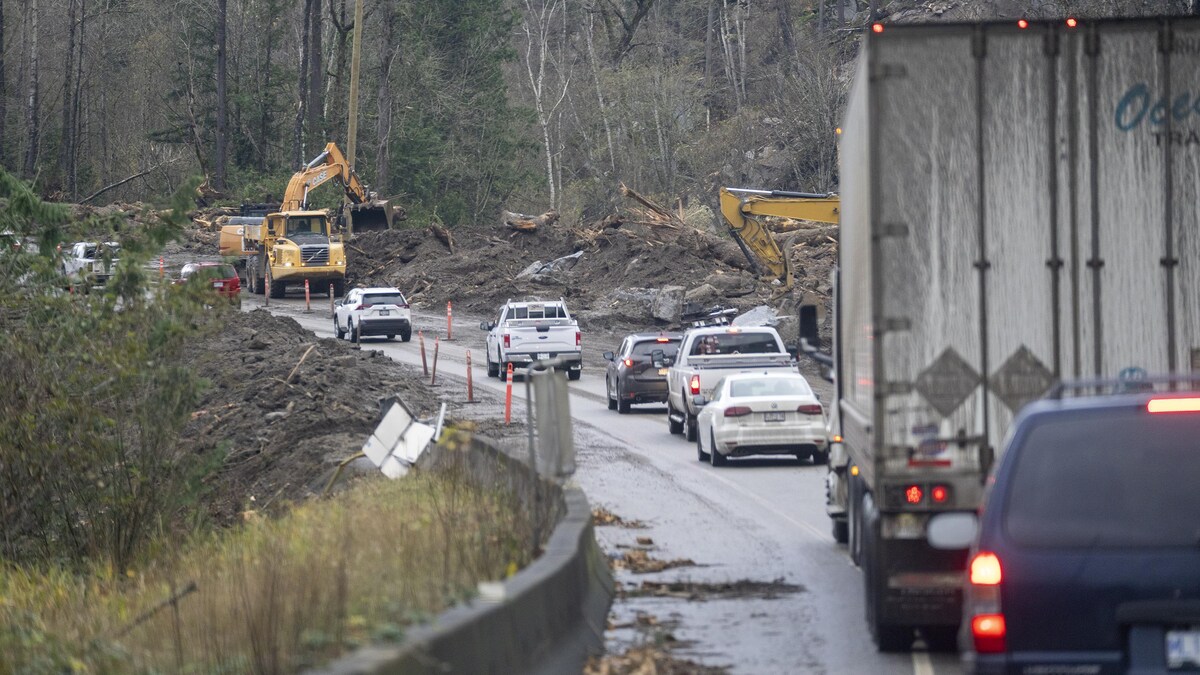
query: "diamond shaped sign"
947, 382
1022, 378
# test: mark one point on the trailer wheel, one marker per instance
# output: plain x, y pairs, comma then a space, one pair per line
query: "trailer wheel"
854, 520
889, 638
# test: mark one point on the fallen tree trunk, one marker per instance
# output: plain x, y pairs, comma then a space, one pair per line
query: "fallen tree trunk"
527, 223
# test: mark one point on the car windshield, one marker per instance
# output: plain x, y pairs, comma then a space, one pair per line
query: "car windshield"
735, 343
383, 299
770, 386
669, 348
1098, 479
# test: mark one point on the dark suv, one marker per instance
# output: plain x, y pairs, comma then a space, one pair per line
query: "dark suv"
1088, 552
637, 372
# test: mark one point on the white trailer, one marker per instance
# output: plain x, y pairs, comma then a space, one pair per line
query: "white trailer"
1019, 207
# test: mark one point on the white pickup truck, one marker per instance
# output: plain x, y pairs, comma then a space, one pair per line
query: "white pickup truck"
708, 354
533, 330
90, 262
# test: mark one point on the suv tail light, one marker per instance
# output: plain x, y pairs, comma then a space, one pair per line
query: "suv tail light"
809, 409
507, 341
988, 630
737, 411
360, 307
403, 305
694, 385
628, 363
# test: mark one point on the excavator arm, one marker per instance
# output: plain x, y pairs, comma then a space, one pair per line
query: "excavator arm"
368, 212
741, 209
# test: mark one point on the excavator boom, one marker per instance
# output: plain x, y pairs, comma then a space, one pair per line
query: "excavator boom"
368, 213
741, 209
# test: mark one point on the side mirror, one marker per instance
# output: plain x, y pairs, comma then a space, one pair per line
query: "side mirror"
609, 356
952, 531
486, 325
699, 400
810, 341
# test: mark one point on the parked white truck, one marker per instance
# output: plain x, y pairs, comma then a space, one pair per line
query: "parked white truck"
91, 263
533, 330
708, 354
1018, 207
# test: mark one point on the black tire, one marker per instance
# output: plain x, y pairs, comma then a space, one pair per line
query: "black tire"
339, 288
673, 426
889, 638
608, 396
277, 289
406, 335
692, 428
854, 519
820, 457
700, 453
493, 369
574, 374
622, 407
354, 331
337, 328
840, 530
391, 336
715, 457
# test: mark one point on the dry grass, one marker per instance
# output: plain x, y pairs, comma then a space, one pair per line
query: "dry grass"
276, 595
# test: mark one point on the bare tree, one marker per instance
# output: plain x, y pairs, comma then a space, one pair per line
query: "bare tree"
3, 94
303, 100
31, 105
315, 74
68, 127
222, 104
536, 25
388, 51
621, 22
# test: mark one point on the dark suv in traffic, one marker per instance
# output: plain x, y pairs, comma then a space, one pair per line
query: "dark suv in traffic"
1088, 551
637, 372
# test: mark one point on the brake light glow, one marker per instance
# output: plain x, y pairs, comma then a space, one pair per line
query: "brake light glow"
662, 339
989, 632
1022, 23
985, 570
913, 494
628, 363
1071, 23
694, 385
878, 28
1173, 405
939, 494
836, 439
809, 409
737, 411
507, 341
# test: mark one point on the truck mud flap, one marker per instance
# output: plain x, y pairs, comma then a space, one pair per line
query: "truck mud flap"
920, 585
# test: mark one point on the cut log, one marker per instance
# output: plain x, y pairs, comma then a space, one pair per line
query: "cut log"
527, 223
443, 235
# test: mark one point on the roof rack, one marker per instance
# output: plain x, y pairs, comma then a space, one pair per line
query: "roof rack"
1131, 380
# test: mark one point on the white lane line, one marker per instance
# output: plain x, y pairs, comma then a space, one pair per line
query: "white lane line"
921, 663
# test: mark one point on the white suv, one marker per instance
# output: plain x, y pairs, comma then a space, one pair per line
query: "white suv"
373, 311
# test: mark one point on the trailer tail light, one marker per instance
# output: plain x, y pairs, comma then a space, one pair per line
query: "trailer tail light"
913, 494
507, 341
988, 630
1072, 23
694, 385
878, 27
809, 409
738, 411
1173, 405
939, 494
1022, 23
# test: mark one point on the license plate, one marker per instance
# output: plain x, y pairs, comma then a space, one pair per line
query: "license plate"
773, 417
218, 284
542, 356
1183, 649
662, 371
384, 312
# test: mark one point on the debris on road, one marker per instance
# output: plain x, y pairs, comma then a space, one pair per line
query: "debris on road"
639, 561
602, 516
690, 590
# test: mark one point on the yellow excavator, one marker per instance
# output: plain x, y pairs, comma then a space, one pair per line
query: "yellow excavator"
743, 209
293, 244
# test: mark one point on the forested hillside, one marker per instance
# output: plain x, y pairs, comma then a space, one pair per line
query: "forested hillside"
466, 106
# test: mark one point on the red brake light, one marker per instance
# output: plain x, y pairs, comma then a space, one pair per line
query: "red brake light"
913, 494
694, 385
737, 411
663, 339
809, 409
989, 631
1173, 405
1022, 23
1071, 23
939, 494
403, 305
578, 337
628, 363
360, 306
985, 570
507, 341
878, 27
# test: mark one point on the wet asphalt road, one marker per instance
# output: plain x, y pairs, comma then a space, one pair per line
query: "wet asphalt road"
759, 520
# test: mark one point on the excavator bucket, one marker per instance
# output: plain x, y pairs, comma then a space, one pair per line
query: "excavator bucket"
377, 214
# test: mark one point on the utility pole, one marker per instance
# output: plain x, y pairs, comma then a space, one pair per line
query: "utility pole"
352, 139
